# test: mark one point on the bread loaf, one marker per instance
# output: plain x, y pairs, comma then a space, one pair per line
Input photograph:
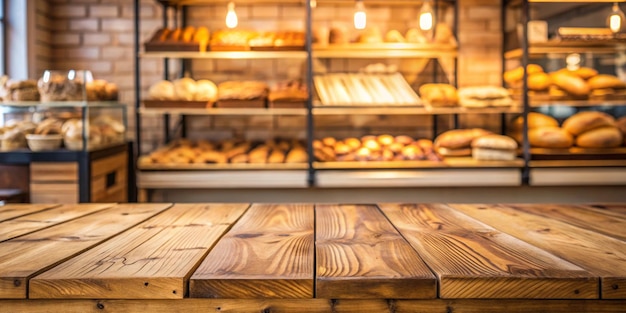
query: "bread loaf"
188, 33
582, 72
517, 74
602, 137
494, 147
572, 84
439, 95
585, 121
185, 89
539, 82
162, 90
606, 82
550, 137
394, 36
459, 138
621, 124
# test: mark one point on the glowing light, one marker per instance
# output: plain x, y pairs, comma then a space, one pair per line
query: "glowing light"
231, 16
426, 16
360, 18
616, 19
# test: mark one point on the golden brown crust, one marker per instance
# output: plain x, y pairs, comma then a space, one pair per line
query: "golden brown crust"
572, 84
602, 137
606, 82
495, 141
459, 138
550, 137
439, 94
539, 82
516, 75
586, 121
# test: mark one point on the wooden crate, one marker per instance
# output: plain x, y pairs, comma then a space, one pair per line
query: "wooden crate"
109, 179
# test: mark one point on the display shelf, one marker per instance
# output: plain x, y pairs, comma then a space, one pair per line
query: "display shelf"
577, 153
408, 110
566, 47
577, 103
226, 55
224, 111
299, 2
146, 165
384, 50
26, 156
453, 162
576, 163
173, 179
59, 104
576, 175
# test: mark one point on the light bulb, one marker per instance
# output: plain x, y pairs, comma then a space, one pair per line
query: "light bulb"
360, 18
314, 4
426, 16
231, 16
616, 19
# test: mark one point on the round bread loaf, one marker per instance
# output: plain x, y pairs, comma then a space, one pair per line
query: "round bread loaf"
485, 154
572, 84
535, 120
162, 90
550, 137
459, 138
621, 124
582, 72
394, 36
206, 90
454, 152
353, 143
415, 35
385, 140
403, 139
602, 137
586, 121
185, 89
606, 82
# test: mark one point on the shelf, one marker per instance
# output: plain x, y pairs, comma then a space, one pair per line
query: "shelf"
577, 103
576, 163
578, 176
172, 179
412, 3
226, 55
578, 154
142, 165
223, 111
566, 47
385, 50
409, 110
26, 156
458, 162
60, 104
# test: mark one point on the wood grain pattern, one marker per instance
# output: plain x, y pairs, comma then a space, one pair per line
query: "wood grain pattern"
583, 217
150, 261
267, 254
46, 172
601, 255
313, 306
26, 256
473, 260
44, 219
360, 255
54, 193
14, 210
615, 208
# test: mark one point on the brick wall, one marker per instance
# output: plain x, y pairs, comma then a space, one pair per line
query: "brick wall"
97, 35
42, 38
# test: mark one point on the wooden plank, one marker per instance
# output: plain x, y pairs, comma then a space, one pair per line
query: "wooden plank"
601, 255
24, 257
583, 217
14, 210
53, 172
109, 164
360, 255
312, 306
44, 219
473, 260
151, 261
267, 254
614, 208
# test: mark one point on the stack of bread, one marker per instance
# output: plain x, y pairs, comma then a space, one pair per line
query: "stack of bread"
18, 90
13, 134
564, 84
183, 89
101, 90
588, 129
479, 143
484, 96
179, 38
232, 151
374, 148
439, 95
104, 130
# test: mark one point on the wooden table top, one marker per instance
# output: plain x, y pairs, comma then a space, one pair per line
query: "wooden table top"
312, 257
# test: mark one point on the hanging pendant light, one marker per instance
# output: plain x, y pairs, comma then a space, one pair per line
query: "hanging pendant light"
313, 4
616, 19
231, 16
360, 18
426, 17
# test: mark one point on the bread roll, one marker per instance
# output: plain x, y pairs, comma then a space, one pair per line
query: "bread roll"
550, 137
443, 34
572, 84
385, 140
201, 35
517, 74
277, 156
206, 90
585, 121
338, 35
329, 141
439, 94
175, 35
539, 82
535, 120
162, 34
403, 139
621, 124
583, 72
415, 35
394, 36
296, 155
353, 143
459, 138
602, 137
162, 90
185, 89
494, 141
188, 33
606, 82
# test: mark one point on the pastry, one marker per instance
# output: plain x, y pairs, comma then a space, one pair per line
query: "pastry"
385, 140
413, 153
550, 137
329, 141
459, 138
403, 139
353, 143
494, 147
49, 126
516, 75
185, 89
602, 137
606, 82
296, 155
206, 90
484, 96
162, 90
585, 121
572, 84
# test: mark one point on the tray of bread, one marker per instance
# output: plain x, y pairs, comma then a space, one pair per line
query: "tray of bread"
581, 84
373, 38
365, 89
288, 94
245, 40
181, 93
586, 135
227, 154
242, 94
189, 38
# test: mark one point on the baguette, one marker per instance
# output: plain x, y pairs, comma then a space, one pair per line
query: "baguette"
572, 84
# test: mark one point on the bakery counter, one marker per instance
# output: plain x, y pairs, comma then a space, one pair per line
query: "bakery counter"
385, 257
